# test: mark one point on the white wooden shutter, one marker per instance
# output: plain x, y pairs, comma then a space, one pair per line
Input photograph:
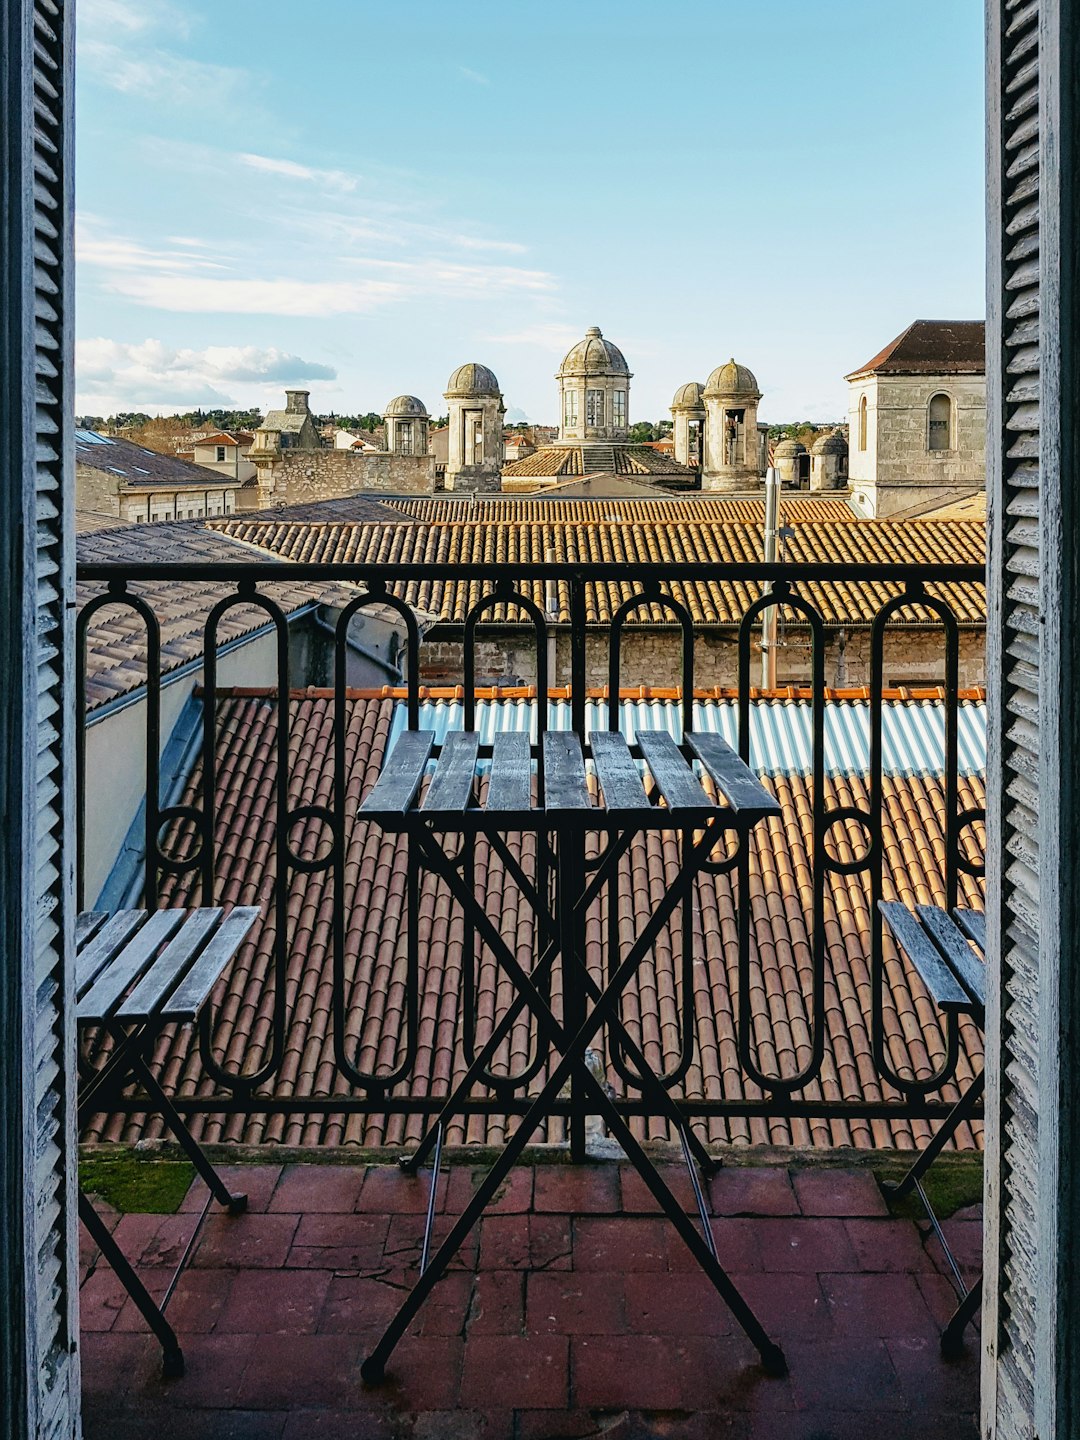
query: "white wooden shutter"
39, 1301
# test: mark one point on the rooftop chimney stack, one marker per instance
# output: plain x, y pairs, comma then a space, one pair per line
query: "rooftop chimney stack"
296, 401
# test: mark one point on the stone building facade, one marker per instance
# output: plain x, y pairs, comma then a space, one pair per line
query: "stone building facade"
137, 486
917, 420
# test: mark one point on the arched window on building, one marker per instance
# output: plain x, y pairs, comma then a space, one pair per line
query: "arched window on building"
862, 423
939, 435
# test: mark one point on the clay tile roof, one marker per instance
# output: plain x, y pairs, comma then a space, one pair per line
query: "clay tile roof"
375, 957
718, 602
657, 509
116, 637
932, 347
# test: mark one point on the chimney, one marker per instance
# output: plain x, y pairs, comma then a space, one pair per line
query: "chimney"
296, 401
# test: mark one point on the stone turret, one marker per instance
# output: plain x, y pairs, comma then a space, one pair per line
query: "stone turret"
829, 462
475, 442
594, 391
407, 421
731, 398
688, 422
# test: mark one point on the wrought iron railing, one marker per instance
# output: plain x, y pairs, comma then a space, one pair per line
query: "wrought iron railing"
371, 1090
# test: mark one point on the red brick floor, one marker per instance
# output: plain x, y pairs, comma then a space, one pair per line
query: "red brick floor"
575, 1311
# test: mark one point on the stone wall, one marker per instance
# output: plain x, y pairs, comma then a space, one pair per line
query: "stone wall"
300, 476
103, 494
898, 471
913, 656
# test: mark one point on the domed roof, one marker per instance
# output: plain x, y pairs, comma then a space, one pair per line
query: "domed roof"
594, 356
688, 396
788, 448
472, 379
408, 407
832, 443
732, 379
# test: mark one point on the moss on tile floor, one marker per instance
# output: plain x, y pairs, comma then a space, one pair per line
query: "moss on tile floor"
951, 1184
133, 1182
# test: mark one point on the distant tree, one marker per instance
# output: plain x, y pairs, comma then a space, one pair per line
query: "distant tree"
89, 422
664, 428
642, 432
438, 421
128, 420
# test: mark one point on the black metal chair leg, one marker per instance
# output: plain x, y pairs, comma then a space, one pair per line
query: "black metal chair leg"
172, 1357
960, 1112
952, 1337
236, 1204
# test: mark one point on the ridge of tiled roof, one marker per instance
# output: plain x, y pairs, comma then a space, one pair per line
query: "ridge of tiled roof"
136, 466
656, 509
931, 347
717, 602
912, 846
359, 507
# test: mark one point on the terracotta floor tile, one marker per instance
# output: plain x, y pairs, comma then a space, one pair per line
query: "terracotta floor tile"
840, 1375
514, 1196
886, 1305
340, 1242
257, 1182
822, 1190
752, 1190
809, 1246
525, 1242
246, 1241
637, 1198
576, 1302
281, 1302
577, 1189
679, 1304
284, 1371
887, 1245
317, 1189
505, 1371
388, 1191
612, 1243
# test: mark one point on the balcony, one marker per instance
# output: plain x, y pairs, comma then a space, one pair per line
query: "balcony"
794, 1036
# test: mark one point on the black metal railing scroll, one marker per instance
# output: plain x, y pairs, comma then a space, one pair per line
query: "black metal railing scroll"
586, 604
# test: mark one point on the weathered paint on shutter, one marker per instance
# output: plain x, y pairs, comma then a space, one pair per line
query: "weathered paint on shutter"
1031, 1355
40, 1281
54, 1172
1013, 481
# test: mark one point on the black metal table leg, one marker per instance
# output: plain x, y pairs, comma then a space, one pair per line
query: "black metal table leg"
172, 1357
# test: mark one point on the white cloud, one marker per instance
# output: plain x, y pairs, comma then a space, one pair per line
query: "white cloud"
162, 76
111, 375
329, 179
473, 75
447, 277
192, 295
129, 17
96, 245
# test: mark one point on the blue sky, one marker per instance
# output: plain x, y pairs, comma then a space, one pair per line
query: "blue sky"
359, 196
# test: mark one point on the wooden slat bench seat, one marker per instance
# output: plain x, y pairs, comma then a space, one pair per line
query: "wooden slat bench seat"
135, 972
947, 951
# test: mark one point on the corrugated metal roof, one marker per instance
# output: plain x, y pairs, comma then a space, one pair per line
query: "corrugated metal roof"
913, 731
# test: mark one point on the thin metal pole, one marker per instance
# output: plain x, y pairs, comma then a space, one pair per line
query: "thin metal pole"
768, 617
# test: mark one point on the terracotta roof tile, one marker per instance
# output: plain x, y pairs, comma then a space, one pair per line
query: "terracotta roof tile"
375, 952
664, 508
633, 543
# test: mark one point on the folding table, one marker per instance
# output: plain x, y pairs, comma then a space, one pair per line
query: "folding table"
561, 812
954, 972
135, 972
